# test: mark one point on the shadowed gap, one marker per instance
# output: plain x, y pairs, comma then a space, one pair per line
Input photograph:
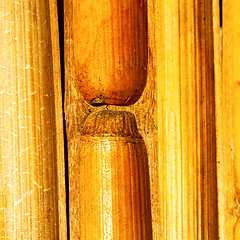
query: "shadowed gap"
61, 42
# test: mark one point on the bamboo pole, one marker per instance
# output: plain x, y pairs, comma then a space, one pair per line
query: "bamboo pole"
186, 120
32, 202
77, 110
110, 58
227, 96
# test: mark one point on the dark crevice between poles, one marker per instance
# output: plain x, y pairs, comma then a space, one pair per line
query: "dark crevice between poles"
220, 12
61, 42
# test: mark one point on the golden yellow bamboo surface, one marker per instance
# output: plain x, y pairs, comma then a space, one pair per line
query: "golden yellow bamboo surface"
77, 110
111, 198
227, 106
110, 52
186, 120
32, 200
236, 144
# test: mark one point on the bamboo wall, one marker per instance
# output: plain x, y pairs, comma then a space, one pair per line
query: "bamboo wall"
187, 115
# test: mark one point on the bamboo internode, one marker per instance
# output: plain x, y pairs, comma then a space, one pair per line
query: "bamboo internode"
227, 106
186, 120
110, 51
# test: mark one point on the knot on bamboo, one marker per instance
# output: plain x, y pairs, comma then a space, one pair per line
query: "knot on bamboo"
111, 124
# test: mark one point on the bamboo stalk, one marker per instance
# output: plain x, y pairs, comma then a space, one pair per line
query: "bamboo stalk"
227, 119
111, 199
110, 59
58, 113
31, 123
236, 142
186, 120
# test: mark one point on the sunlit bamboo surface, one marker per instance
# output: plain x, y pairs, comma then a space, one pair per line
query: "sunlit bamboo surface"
227, 113
186, 120
188, 116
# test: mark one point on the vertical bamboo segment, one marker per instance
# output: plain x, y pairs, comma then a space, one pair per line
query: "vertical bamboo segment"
236, 142
236, 134
31, 150
186, 120
235, 105
111, 199
110, 52
227, 91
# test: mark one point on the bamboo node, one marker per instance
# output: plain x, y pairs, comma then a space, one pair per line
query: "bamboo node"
112, 124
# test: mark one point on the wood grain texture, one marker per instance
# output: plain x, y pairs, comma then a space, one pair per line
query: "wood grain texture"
110, 52
186, 120
31, 149
111, 199
227, 113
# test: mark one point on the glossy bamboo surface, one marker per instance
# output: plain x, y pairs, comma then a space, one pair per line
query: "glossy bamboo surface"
110, 53
111, 199
186, 119
32, 186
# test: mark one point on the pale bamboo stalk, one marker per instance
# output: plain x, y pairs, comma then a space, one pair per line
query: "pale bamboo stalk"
186, 120
236, 105
227, 106
218, 101
31, 123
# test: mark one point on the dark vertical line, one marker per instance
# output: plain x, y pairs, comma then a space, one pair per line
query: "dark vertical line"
220, 12
60, 4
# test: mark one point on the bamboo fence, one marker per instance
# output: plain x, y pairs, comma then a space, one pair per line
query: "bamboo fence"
187, 119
